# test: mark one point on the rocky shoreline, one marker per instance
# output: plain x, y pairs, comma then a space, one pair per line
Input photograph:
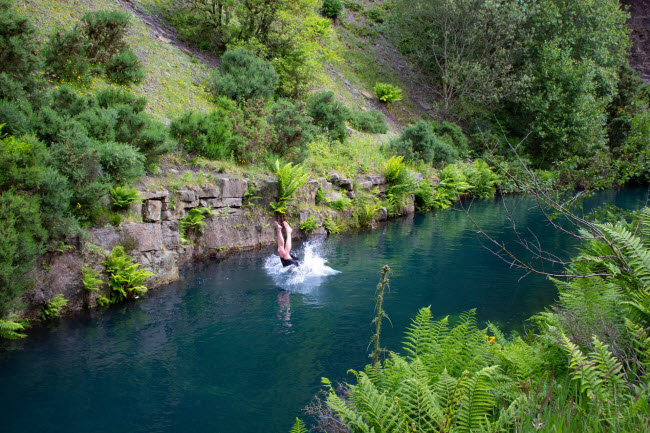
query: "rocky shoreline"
241, 219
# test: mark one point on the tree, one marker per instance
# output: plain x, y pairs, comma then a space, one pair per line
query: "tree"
465, 46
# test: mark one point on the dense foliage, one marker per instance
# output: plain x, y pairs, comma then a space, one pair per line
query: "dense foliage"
583, 368
549, 69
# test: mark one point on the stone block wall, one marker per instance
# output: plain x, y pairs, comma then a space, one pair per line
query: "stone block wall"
155, 242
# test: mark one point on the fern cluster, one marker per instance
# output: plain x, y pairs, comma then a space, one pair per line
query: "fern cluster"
126, 279
290, 178
193, 223
585, 369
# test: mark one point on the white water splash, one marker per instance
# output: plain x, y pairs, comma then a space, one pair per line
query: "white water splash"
304, 278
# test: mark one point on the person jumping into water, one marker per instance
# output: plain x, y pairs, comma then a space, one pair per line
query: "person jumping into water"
284, 246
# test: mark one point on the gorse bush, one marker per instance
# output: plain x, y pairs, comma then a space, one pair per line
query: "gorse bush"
18, 46
331, 8
293, 127
124, 68
96, 44
369, 121
328, 114
244, 76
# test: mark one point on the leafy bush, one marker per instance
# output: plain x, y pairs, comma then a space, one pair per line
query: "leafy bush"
328, 114
339, 205
331, 226
123, 196
331, 8
22, 240
388, 93
309, 225
421, 142
124, 68
370, 121
293, 127
193, 223
244, 76
52, 309
124, 278
16, 118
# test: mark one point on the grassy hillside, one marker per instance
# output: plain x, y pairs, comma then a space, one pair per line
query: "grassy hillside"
174, 80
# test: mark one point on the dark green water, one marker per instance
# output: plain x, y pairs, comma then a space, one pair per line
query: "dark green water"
216, 352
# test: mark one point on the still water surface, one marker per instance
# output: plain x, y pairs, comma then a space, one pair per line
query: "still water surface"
235, 347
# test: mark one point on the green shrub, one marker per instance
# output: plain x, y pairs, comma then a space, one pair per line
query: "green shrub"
124, 68
320, 196
453, 134
124, 278
339, 205
90, 279
120, 162
65, 56
331, 226
331, 8
370, 121
352, 5
388, 93
293, 127
419, 142
22, 240
244, 76
123, 196
328, 114
309, 225
19, 49
193, 223
16, 118
52, 309
104, 32
46, 124
208, 135
377, 14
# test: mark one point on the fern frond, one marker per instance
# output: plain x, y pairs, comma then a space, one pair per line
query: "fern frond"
378, 409
632, 247
9, 330
348, 416
584, 370
298, 427
609, 368
419, 336
419, 405
476, 401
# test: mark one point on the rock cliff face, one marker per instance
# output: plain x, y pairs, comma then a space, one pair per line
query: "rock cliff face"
640, 24
237, 222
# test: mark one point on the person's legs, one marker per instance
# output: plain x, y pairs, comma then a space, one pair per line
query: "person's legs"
287, 242
281, 243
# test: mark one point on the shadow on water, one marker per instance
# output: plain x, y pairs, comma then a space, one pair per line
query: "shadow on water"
240, 345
